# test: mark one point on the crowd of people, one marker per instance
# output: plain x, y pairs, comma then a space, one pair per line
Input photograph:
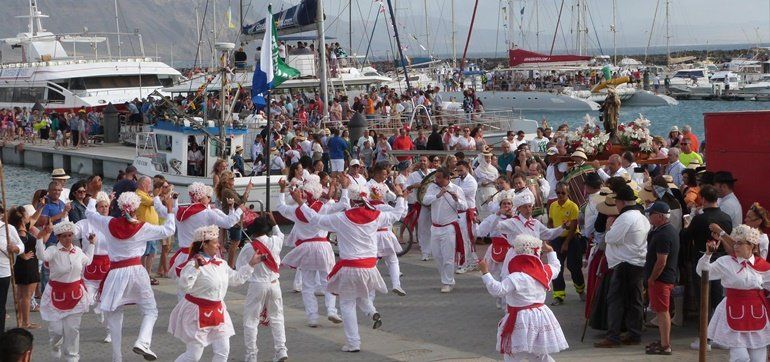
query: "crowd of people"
539, 207
66, 130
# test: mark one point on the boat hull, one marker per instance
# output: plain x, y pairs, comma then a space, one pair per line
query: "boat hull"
527, 101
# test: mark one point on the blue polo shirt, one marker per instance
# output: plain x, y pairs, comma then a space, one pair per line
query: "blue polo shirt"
52, 209
337, 146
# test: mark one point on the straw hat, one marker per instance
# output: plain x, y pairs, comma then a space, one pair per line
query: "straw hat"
59, 174
674, 129
694, 163
608, 206
487, 152
630, 182
300, 138
238, 148
579, 153
670, 180
647, 193
599, 197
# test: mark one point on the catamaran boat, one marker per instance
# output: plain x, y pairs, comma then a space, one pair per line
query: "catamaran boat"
49, 75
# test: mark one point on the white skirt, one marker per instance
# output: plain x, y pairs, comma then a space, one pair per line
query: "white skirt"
387, 243
183, 324
356, 282
720, 332
50, 313
129, 285
482, 195
314, 255
536, 331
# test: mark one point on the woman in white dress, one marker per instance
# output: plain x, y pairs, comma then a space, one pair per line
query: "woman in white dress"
740, 320
486, 175
529, 330
201, 318
66, 298
95, 272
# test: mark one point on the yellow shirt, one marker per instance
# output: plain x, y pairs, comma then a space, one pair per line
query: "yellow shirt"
146, 211
562, 213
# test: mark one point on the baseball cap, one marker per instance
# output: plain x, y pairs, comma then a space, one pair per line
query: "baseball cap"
659, 207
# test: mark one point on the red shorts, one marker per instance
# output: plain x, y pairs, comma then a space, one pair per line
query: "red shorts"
660, 295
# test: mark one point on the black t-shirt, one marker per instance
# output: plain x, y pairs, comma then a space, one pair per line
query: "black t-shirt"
663, 240
698, 233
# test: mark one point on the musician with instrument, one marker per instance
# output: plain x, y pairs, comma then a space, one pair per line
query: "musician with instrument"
486, 174
445, 200
419, 215
576, 176
468, 216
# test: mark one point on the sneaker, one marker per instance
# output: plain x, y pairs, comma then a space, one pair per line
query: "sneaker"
557, 301
696, 345
377, 320
297, 289
319, 293
281, 356
446, 288
717, 345
425, 258
145, 352
400, 292
461, 270
107, 339
312, 323
347, 348
56, 348
335, 318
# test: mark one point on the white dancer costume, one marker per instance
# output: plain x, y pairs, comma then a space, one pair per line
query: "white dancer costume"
201, 318
529, 330
64, 302
312, 254
264, 302
467, 217
95, 272
355, 275
422, 213
497, 251
445, 233
740, 320
128, 281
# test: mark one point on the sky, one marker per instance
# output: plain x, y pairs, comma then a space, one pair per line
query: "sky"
691, 22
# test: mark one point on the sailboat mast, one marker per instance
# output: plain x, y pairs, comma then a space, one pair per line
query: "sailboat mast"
668, 37
427, 33
117, 29
511, 32
537, 25
350, 26
454, 48
322, 53
614, 33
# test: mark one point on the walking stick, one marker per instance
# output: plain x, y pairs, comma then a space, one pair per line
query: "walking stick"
704, 314
8, 246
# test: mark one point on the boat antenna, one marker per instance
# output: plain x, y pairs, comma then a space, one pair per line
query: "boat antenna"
470, 31
398, 43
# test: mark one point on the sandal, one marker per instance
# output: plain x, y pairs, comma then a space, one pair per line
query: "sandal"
154, 281
659, 350
652, 345
32, 326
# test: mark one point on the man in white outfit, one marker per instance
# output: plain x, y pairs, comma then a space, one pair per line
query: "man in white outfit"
445, 200
128, 281
419, 213
468, 184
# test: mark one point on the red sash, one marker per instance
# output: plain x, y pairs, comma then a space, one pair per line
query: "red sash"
311, 240
98, 268
316, 206
363, 263
470, 215
510, 324
410, 221
65, 296
185, 251
211, 313
383, 229
459, 245
499, 247
532, 266
185, 212
269, 261
746, 309
120, 228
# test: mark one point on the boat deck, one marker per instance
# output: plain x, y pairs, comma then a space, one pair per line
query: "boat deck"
106, 159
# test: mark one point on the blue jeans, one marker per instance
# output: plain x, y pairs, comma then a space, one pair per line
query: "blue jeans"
151, 249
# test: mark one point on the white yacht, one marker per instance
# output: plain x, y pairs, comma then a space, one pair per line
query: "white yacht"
62, 81
722, 84
684, 80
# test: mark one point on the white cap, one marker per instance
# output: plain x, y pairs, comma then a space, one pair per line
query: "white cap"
64, 227
210, 232
355, 162
523, 198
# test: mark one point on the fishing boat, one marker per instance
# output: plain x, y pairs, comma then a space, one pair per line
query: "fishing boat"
48, 74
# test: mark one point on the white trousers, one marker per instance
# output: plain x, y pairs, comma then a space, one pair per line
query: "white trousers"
423, 231
524, 356
338, 164
394, 269
66, 330
194, 351
298, 280
350, 319
748, 354
258, 296
470, 256
443, 243
114, 322
312, 280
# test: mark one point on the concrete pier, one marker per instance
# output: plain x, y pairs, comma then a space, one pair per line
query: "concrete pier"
105, 159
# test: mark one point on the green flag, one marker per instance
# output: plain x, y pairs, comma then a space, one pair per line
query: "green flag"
281, 71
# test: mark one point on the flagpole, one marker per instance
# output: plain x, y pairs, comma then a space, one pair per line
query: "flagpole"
266, 151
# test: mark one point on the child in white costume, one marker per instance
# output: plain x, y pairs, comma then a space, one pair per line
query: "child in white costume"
740, 320
264, 302
201, 318
66, 298
529, 330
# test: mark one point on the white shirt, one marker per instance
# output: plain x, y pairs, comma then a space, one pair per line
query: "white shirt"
262, 274
65, 266
516, 143
356, 241
257, 149
84, 229
727, 269
521, 289
675, 171
466, 144
210, 281
363, 139
626, 239
443, 209
307, 147
488, 226
415, 178
638, 177
589, 215
605, 176
210, 216
469, 187
276, 162
731, 206
5, 268
304, 230
389, 195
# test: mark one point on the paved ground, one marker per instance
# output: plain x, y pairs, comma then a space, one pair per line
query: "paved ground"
423, 326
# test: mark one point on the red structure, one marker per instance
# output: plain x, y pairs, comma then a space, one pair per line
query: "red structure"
521, 56
739, 142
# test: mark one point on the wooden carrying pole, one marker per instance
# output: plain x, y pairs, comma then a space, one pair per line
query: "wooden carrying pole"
704, 315
8, 246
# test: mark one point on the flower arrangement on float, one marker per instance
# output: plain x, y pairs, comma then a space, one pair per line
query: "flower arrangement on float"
590, 138
635, 136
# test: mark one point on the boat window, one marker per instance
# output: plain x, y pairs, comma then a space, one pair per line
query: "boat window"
196, 160
114, 81
6, 95
28, 94
54, 96
77, 84
689, 74
164, 142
